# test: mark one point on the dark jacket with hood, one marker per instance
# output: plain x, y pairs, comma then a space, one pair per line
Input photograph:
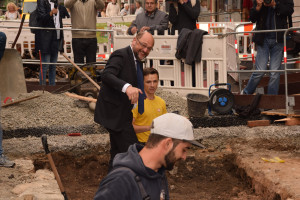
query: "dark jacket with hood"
189, 45
283, 9
121, 184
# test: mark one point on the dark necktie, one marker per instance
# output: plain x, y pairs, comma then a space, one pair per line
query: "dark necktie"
140, 82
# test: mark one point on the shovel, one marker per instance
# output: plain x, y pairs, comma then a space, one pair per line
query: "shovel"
11, 70
57, 177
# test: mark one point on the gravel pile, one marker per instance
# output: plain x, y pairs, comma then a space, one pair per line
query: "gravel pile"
45, 111
174, 102
60, 114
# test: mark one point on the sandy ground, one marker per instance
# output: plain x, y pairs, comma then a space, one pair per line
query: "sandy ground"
231, 167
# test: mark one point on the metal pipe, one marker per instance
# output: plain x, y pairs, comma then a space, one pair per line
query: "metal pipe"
65, 29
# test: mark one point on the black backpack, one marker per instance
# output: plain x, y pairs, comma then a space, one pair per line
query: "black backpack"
33, 21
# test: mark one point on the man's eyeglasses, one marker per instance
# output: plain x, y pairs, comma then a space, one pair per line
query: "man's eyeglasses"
144, 45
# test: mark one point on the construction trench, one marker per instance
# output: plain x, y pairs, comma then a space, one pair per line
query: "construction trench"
239, 162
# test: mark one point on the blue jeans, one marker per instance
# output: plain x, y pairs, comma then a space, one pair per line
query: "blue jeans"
2, 44
275, 51
48, 58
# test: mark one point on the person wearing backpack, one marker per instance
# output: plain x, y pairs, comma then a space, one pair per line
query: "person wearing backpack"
140, 172
49, 42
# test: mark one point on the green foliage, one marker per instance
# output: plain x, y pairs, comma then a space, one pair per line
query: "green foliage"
102, 37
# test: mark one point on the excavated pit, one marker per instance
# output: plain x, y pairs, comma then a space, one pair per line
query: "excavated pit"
205, 175
231, 167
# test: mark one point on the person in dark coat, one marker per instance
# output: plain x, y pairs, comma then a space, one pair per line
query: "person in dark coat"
119, 92
184, 14
269, 45
49, 42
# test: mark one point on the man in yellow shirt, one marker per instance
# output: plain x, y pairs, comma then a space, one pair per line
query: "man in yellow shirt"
154, 106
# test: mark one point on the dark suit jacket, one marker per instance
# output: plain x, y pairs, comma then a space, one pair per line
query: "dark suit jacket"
46, 40
113, 108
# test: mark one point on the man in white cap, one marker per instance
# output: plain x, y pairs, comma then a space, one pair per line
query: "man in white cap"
139, 173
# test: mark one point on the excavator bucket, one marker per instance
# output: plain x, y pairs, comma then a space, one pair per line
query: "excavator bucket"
12, 78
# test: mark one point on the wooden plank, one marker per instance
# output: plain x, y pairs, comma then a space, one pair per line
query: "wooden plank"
18, 101
280, 112
255, 123
292, 122
81, 97
289, 121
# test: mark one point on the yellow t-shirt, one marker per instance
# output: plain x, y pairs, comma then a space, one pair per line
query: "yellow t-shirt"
152, 109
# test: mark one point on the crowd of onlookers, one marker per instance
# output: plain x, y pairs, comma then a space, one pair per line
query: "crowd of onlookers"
12, 11
113, 8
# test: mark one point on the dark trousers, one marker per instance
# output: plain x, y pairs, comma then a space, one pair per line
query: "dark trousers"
84, 47
120, 141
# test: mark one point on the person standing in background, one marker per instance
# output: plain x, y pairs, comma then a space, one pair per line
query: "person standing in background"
84, 16
203, 6
125, 10
103, 12
184, 14
269, 46
112, 9
49, 42
12, 12
138, 9
152, 19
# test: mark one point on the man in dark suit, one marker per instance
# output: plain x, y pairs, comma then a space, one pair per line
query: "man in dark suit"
119, 93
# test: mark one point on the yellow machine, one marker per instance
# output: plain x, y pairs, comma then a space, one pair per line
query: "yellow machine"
28, 7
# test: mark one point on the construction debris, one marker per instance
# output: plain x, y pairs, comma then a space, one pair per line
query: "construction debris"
258, 123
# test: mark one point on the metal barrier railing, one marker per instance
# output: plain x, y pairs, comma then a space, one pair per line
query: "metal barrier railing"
108, 49
209, 14
285, 70
285, 67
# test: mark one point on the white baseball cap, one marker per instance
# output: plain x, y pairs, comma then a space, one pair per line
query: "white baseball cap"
175, 126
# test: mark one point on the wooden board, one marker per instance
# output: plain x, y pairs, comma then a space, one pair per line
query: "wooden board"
18, 101
280, 112
255, 123
289, 121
